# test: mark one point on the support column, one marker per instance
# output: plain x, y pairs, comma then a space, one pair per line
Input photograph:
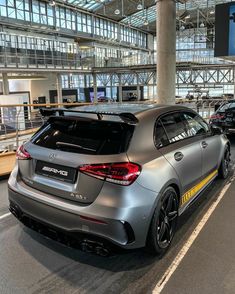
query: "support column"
119, 88
85, 81
95, 88
5, 84
138, 87
111, 87
166, 51
234, 82
59, 89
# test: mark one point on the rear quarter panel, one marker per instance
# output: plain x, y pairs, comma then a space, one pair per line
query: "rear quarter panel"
156, 173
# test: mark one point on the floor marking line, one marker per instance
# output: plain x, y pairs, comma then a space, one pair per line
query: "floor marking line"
179, 257
5, 215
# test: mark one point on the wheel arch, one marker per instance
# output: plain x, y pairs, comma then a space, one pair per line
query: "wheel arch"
175, 184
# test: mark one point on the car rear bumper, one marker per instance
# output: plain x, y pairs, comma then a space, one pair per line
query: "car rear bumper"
125, 226
51, 217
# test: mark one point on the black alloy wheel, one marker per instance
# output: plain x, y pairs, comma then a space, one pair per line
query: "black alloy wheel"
167, 220
164, 222
224, 166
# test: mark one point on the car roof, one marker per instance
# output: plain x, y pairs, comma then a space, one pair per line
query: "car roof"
135, 108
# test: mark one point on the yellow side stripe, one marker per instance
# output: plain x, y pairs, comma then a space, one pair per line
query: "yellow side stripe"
193, 191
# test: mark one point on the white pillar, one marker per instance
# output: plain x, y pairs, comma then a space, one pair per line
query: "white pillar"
59, 89
138, 87
95, 88
166, 51
119, 88
5, 84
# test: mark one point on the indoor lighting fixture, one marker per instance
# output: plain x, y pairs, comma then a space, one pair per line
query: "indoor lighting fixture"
117, 12
146, 22
52, 3
139, 6
212, 12
202, 25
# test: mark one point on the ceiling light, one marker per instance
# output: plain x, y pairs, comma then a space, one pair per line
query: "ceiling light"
52, 3
139, 6
146, 22
212, 12
117, 12
202, 25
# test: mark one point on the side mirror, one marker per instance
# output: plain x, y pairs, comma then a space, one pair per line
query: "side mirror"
215, 130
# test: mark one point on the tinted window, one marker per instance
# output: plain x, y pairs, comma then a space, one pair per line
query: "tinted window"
160, 135
174, 126
195, 124
226, 106
84, 136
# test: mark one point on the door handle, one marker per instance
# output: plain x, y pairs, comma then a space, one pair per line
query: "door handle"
178, 156
204, 144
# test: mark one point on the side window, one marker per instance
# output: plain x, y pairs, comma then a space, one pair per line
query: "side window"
175, 127
195, 124
160, 136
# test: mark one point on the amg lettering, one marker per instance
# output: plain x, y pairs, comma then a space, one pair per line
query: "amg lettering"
55, 171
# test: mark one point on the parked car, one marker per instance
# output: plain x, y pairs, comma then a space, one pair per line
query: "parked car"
224, 117
116, 173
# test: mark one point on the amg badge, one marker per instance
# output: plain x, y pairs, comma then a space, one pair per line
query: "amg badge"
55, 171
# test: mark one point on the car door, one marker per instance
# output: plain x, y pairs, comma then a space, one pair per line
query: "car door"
184, 153
210, 145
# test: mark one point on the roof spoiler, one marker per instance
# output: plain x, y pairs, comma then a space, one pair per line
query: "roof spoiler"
126, 117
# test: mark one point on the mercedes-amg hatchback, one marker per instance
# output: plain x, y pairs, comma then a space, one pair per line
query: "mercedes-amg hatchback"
121, 173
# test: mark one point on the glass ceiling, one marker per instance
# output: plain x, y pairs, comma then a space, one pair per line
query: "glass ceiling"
143, 17
87, 4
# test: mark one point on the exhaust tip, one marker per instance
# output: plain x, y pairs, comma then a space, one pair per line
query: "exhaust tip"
94, 247
15, 211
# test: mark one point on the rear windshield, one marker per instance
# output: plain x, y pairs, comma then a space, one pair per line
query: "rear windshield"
84, 136
226, 106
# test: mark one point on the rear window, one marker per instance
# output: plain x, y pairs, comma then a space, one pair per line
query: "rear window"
226, 106
84, 136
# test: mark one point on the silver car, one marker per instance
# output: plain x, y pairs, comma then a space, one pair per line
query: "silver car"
115, 174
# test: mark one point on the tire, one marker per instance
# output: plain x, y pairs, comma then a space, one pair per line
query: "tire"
164, 223
224, 165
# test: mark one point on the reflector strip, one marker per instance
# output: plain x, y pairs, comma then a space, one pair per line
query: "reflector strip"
94, 220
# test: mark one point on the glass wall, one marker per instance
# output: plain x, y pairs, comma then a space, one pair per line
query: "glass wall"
66, 19
114, 57
34, 51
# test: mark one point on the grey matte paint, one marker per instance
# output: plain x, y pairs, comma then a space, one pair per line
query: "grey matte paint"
50, 200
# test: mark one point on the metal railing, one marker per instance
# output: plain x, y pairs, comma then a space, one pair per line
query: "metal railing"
18, 122
205, 107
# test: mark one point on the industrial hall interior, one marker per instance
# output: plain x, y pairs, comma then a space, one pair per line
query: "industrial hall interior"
117, 146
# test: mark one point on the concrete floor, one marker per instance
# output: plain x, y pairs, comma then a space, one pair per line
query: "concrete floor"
30, 263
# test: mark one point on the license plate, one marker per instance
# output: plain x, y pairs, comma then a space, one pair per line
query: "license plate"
56, 171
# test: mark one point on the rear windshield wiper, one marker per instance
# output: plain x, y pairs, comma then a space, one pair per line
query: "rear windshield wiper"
76, 146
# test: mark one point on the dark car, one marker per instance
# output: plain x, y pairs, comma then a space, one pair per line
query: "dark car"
224, 117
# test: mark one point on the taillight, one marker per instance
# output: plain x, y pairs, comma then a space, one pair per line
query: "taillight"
217, 116
21, 153
119, 173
